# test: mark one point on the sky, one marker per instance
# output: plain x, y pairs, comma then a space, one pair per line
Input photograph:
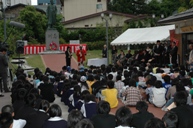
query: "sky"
34, 2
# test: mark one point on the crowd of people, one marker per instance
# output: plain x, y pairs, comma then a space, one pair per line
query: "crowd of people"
90, 94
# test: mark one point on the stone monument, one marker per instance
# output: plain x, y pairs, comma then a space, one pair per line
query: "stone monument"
51, 35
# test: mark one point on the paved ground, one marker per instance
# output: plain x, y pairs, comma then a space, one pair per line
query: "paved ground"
55, 62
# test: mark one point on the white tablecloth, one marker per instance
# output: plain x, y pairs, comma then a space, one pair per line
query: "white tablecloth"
97, 61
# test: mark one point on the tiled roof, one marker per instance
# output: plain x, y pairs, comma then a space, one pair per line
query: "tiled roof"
188, 14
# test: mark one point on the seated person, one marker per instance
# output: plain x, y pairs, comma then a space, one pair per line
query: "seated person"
103, 119
141, 117
170, 119
123, 117
132, 94
110, 94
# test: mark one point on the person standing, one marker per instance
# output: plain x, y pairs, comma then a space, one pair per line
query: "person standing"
173, 53
158, 50
81, 53
190, 59
104, 51
51, 14
114, 54
3, 69
68, 56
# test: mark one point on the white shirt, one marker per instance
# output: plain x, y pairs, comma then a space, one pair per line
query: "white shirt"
19, 123
159, 96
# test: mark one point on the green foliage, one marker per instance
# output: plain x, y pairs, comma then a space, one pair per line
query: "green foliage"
35, 23
95, 45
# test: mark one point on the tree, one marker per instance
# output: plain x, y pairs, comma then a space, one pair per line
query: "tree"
128, 6
35, 23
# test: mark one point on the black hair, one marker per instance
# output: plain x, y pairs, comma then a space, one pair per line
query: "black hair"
77, 91
44, 105
89, 97
7, 108
84, 123
132, 83
154, 123
180, 98
103, 107
45, 79
84, 93
55, 110
141, 106
90, 78
149, 82
21, 93
158, 84
6, 120
30, 100
118, 77
170, 118
73, 118
166, 79
123, 116
110, 77
110, 84
3, 49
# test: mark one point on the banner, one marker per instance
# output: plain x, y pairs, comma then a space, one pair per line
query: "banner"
36, 49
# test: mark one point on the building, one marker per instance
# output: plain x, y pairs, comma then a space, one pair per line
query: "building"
46, 2
14, 2
73, 9
183, 31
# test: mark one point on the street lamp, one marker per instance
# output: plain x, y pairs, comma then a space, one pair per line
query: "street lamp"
106, 18
4, 18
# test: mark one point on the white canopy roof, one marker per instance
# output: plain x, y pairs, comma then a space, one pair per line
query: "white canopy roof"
143, 35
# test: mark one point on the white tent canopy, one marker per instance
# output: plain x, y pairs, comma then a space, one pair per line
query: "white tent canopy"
143, 35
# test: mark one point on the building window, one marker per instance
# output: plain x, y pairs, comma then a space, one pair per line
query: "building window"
86, 26
98, 0
99, 6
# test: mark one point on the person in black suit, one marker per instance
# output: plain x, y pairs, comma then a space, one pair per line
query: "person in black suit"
68, 56
158, 50
104, 51
3, 69
174, 53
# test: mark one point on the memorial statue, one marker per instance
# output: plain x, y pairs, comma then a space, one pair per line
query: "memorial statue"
51, 14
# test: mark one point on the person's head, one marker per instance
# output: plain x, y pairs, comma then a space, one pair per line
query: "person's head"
89, 97
166, 79
45, 79
170, 119
73, 118
110, 84
103, 107
158, 42
105, 46
149, 82
132, 83
80, 47
110, 77
8, 108
154, 123
51, 1
6, 120
123, 116
55, 110
180, 98
44, 105
141, 106
68, 48
84, 93
3, 50
173, 44
84, 123
118, 77
158, 84
190, 46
